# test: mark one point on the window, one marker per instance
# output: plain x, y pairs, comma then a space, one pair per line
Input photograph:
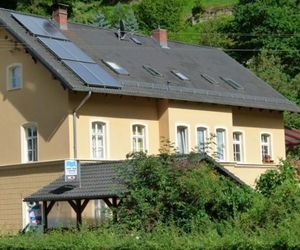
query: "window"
138, 138
221, 144
116, 68
266, 147
14, 80
152, 71
135, 40
98, 140
238, 146
30, 145
182, 139
209, 79
232, 83
180, 75
201, 139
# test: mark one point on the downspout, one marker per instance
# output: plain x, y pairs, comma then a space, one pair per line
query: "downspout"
75, 121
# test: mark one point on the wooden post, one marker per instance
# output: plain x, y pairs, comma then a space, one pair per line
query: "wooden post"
45, 216
78, 214
115, 211
46, 211
113, 206
78, 209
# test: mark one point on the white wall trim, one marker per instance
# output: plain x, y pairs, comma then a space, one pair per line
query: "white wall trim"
207, 136
271, 144
24, 141
177, 124
244, 154
146, 126
226, 142
8, 85
106, 138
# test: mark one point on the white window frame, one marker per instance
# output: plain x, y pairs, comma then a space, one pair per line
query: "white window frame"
269, 144
225, 148
206, 137
9, 82
24, 142
105, 139
241, 143
144, 136
188, 149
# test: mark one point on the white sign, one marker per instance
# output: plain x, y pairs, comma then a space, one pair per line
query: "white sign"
71, 170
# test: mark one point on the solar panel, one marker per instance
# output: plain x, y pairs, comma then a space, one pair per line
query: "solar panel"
92, 74
232, 83
39, 26
65, 50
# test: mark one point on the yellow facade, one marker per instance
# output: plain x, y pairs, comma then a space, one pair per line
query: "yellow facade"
43, 101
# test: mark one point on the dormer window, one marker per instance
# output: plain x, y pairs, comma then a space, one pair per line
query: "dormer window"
116, 68
14, 77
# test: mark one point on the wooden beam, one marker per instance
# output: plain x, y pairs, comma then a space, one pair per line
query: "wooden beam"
48, 209
84, 204
108, 203
73, 205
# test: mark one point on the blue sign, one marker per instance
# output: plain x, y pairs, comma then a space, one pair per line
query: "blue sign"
71, 170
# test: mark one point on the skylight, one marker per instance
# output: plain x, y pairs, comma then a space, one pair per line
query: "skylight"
209, 79
152, 71
180, 75
137, 41
116, 68
232, 83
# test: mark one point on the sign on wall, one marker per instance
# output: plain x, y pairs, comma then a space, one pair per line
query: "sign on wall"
72, 170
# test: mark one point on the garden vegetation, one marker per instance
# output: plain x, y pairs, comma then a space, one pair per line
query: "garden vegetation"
177, 202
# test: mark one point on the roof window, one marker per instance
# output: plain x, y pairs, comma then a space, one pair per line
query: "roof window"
116, 68
152, 71
209, 79
231, 83
135, 40
180, 75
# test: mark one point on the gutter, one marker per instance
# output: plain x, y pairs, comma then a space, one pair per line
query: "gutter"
84, 100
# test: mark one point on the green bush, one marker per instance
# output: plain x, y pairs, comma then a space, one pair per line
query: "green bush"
180, 190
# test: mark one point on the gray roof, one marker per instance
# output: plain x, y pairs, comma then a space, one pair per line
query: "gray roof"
190, 60
103, 180
98, 180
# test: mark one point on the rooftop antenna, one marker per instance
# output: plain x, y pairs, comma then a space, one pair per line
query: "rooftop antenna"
121, 30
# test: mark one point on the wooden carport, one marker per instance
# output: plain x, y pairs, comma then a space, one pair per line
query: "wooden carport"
98, 181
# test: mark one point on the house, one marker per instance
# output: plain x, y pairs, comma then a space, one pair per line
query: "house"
70, 90
292, 138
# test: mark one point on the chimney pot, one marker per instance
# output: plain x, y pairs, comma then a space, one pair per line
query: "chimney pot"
60, 15
161, 36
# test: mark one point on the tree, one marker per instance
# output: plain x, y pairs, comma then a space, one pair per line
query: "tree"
9, 4
101, 21
131, 22
269, 68
273, 25
166, 13
119, 13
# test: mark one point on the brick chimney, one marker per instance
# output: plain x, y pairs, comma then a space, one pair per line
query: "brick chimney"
161, 36
60, 15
